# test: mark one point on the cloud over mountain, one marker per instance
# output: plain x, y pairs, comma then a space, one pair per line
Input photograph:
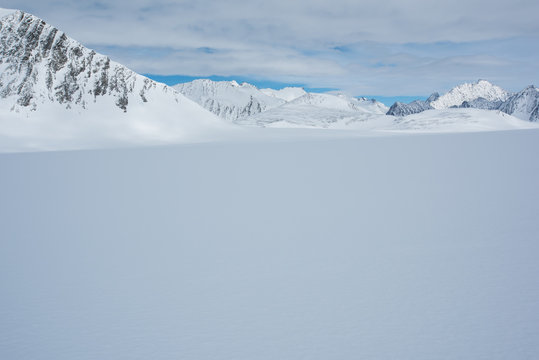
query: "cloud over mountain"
389, 47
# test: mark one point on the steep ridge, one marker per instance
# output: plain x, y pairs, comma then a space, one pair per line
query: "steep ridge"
524, 104
46, 75
417, 106
228, 99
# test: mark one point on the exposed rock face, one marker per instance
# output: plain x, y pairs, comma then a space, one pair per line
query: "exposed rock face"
481, 103
40, 64
417, 106
524, 104
228, 99
230, 111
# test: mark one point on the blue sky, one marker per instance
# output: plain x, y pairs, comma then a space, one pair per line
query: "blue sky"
264, 83
385, 48
260, 83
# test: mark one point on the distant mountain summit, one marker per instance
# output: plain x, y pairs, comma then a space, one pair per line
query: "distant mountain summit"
228, 99
417, 106
479, 95
469, 92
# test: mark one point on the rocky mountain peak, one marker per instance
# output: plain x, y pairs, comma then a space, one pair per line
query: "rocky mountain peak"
40, 64
468, 92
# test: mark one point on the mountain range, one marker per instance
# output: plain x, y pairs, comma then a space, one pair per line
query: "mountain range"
245, 104
479, 95
54, 90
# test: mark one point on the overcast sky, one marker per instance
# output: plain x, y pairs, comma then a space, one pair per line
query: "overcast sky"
384, 47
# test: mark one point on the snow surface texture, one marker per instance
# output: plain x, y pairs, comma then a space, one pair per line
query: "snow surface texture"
412, 247
52, 87
228, 99
459, 120
38, 134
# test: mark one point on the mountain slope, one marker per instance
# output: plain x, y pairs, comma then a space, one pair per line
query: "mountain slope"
482, 103
524, 104
228, 99
46, 75
417, 106
320, 111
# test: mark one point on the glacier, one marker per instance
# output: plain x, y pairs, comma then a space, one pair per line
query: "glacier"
405, 247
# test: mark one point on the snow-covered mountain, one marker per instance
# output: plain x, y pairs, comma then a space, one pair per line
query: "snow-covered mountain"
524, 104
47, 78
287, 93
57, 94
228, 99
469, 92
417, 106
318, 110
479, 95
245, 104
242, 104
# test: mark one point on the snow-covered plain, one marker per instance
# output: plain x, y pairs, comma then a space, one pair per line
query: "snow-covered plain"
403, 247
298, 122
